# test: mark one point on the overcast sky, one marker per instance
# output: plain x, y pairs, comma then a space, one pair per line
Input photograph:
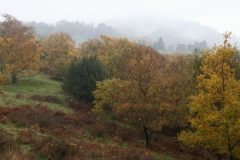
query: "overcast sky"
223, 15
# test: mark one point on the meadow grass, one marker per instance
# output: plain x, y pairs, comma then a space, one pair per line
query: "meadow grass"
20, 93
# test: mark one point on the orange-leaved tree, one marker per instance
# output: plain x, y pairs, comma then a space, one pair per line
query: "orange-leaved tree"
139, 99
3, 54
2, 80
176, 87
20, 55
215, 109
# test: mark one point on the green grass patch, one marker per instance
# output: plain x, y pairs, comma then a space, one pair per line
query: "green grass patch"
21, 92
26, 147
164, 156
10, 128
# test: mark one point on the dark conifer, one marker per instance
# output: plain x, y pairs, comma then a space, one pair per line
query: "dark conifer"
82, 76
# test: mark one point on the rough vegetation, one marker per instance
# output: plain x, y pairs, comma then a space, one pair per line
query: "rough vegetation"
126, 101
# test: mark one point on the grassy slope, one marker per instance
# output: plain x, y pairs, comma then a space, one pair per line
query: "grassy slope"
20, 93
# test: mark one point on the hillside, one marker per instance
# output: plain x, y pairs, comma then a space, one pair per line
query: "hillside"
173, 30
37, 128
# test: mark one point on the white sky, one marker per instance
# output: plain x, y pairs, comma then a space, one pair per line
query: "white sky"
223, 15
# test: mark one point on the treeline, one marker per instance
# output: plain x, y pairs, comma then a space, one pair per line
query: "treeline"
79, 31
191, 47
159, 45
196, 95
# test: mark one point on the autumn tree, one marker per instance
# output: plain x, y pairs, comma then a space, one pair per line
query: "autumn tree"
236, 63
108, 50
195, 60
82, 76
214, 110
59, 51
175, 90
139, 99
106, 94
3, 55
2, 80
20, 54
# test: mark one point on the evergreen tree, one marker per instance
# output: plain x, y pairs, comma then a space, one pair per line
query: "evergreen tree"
82, 76
159, 45
182, 47
203, 45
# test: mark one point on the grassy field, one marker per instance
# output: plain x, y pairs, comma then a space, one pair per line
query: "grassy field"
29, 88
37, 122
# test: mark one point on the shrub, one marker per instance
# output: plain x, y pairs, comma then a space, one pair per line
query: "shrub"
47, 98
19, 96
36, 97
81, 78
4, 111
52, 99
52, 148
80, 106
5, 140
26, 136
10, 149
16, 154
4, 119
99, 129
126, 133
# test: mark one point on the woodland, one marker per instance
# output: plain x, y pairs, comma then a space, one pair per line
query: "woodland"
111, 98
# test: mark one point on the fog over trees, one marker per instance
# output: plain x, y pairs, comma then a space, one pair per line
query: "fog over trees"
152, 83
162, 33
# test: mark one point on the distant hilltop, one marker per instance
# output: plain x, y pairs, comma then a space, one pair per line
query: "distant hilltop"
172, 30
176, 33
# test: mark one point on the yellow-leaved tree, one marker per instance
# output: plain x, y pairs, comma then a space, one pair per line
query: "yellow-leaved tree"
215, 109
20, 54
105, 96
108, 50
59, 51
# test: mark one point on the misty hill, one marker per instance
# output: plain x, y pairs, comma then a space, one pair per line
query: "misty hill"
173, 31
79, 31
147, 29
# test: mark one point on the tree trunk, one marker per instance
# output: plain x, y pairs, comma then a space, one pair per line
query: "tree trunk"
219, 157
147, 136
231, 157
114, 126
14, 79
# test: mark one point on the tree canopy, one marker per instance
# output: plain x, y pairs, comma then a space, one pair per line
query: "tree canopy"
82, 76
19, 54
139, 101
214, 110
159, 45
59, 51
108, 50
